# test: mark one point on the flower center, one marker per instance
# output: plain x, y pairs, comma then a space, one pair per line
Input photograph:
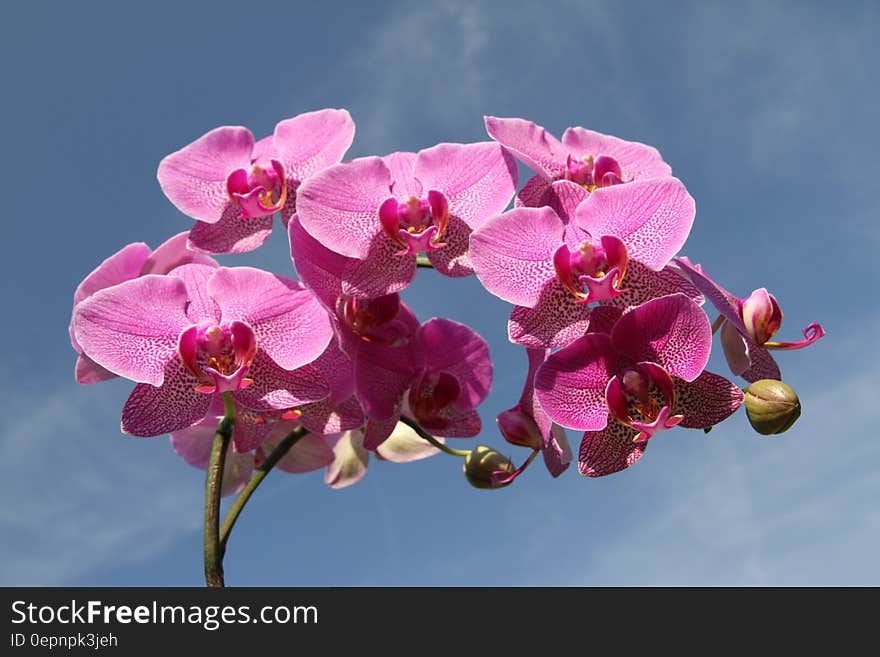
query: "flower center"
594, 271
430, 396
374, 320
592, 173
218, 356
259, 191
643, 397
416, 224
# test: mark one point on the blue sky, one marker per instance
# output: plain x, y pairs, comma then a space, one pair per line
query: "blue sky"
767, 112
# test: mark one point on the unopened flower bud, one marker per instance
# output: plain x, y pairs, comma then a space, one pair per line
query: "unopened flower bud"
484, 466
520, 429
772, 406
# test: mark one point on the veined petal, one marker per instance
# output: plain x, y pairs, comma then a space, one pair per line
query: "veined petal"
404, 183
310, 452
557, 451
736, 350
512, 253
652, 217
380, 272
761, 364
123, 265
706, 401
319, 268
231, 233
724, 301
454, 259
194, 178
173, 253
277, 388
88, 371
154, 410
313, 141
131, 329
478, 180
555, 321
571, 384
291, 325
610, 450
339, 206
201, 306
530, 143
643, 284
671, 331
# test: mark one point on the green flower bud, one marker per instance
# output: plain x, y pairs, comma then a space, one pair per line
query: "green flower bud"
483, 466
772, 406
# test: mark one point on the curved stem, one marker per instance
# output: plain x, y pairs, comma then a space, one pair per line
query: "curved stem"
412, 424
422, 261
213, 485
256, 479
717, 324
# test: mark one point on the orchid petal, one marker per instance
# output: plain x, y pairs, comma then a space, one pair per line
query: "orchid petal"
313, 141
154, 410
610, 450
230, 234
453, 259
639, 161
530, 143
194, 178
706, 401
460, 351
404, 445
350, 461
555, 321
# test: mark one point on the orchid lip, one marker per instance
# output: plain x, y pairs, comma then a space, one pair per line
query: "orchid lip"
252, 191
429, 396
593, 272
592, 173
218, 356
643, 398
416, 225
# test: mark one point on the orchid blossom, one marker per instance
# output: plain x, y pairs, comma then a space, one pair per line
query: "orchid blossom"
232, 186
747, 326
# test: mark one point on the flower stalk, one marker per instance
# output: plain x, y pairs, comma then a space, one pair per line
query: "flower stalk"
213, 484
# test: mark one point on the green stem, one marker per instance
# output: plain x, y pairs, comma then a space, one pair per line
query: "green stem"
412, 424
422, 261
213, 485
256, 479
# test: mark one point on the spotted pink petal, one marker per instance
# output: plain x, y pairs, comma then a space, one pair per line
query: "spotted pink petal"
638, 161
327, 416
350, 460
671, 331
564, 197
291, 325
533, 193
404, 184
313, 141
230, 234
381, 272
131, 329
512, 253
193, 445
610, 450
478, 180
154, 410
652, 217
530, 143
276, 388
557, 451
456, 423
382, 375
377, 430
643, 284
603, 319
528, 401
194, 178
201, 306
571, 385
555, 321
459, 350
339, 206
706, 401
453, 260
763, 365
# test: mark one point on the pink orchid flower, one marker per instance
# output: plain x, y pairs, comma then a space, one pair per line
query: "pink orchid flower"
645, 376
200, 331
385, 211
349, 458
585, 159
748, 326
130, 262
527, 425
611, 246
232, 186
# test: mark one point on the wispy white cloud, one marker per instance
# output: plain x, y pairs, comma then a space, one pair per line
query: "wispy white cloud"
78, 497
